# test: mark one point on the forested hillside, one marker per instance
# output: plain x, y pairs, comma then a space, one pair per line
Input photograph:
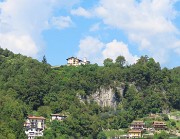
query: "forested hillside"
29, 87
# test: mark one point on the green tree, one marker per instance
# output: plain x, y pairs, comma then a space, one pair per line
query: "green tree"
162, 135
165, 117
44, 111
173, 123
120, 61
143, 60
101, 135
44, 61
108, 62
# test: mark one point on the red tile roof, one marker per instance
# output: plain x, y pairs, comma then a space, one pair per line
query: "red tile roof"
62, 115
158, 123
36, 117
137, 123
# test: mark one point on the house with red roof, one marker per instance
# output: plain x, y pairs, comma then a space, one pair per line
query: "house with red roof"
34, 126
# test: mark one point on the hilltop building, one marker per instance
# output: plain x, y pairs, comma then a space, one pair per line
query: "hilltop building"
74, 61
34, 126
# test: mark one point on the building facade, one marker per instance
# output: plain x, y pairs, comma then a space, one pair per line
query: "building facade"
58, 117
159, 125
135, 134
34, 126
137, 125
74, 61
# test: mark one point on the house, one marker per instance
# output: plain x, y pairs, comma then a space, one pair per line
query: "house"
34, 126
153, 115
58, 117
159, 125
74, 61
134, 134
137, 125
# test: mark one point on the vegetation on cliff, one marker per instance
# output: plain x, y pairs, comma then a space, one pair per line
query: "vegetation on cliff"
28, 86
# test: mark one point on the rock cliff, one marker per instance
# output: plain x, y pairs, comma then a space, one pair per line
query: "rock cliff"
105, 97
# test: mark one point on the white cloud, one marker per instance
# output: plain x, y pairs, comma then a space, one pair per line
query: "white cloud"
96, 51
95, 27
152, 16
23, 21
91, 48
19, 44
115, 49
148, 23
61, 22
23, 16
177, 47
81, 12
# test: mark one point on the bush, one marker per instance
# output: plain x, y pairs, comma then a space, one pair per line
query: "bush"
165, 117
173, 123
101, 135
162, 135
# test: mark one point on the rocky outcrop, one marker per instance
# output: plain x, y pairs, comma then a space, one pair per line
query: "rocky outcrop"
109, 96
105, 97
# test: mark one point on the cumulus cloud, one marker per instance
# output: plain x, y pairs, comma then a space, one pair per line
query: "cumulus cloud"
115, 49
19, 43
91, 48
148, 23
95, 50
81, 12
23, 21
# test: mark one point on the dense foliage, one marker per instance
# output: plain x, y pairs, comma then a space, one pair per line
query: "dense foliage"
28, 86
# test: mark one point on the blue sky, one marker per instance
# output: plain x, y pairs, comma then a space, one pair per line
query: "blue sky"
95, 29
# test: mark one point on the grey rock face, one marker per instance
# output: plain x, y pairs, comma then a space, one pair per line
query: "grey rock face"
105, 97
